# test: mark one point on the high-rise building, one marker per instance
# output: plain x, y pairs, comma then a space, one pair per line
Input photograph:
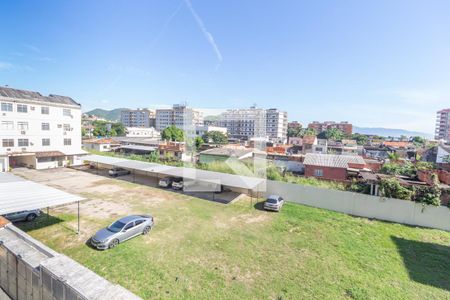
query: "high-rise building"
443, 125
319, 127
255, 122
138, 118
38, 131
179, 115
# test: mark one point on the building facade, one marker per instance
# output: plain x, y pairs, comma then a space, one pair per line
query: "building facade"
38, 131
179, 115
144, 118
319, 127
255, 122
443, 125
142, 132
203, 129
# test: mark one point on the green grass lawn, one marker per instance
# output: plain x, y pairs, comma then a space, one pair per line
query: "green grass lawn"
204, 250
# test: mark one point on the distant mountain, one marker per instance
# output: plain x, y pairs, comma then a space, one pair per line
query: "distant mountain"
111, 115
386, 132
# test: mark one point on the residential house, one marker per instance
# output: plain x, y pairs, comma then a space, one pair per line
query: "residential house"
344, 147
101, 145
321, 146
308, 142
332, 167
172, 151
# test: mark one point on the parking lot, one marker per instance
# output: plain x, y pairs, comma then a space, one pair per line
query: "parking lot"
204, 249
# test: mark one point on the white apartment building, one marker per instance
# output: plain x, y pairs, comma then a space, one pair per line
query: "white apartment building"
255, 122
443, 125
38, 131
142, 132
179, 115
138, 118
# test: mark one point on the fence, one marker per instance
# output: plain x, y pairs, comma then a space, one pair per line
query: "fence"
387, 209
30, 270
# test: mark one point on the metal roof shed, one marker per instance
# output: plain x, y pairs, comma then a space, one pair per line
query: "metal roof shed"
230, 180
17, 194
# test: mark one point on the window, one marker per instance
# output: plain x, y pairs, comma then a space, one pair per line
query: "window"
66, 112
139, 222
45, 142
45, 126
22, 108
45, 110
7, 125
8, 143
318, 172
7, 106
129, 226
23, 142
67, 142
66, 127
22, 125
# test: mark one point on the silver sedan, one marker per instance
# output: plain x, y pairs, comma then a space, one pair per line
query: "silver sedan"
122, 230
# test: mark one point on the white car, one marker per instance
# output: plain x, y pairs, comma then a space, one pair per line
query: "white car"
274, 203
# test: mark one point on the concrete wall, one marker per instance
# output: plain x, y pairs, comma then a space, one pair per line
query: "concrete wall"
388, 209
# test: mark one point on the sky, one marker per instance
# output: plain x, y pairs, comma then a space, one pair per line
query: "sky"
381, 63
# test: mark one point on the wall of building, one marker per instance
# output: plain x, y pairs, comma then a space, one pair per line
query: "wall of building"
28, 125
339, 174
388, 209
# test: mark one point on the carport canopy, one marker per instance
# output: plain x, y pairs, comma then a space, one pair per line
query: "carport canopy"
18, 194
229, 180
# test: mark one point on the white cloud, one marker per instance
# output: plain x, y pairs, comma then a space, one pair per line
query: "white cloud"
209, 37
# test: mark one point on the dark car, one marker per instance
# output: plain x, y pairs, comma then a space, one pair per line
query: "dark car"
24, 215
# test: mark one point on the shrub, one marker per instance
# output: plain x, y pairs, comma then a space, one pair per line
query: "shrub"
391, 188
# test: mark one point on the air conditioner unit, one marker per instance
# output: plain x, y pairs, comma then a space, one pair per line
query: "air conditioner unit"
31, 144
32, 107
3, 114
23, 132
65, 133
8, 149
24, 149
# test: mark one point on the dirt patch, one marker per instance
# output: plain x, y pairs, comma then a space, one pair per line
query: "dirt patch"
97, 208
250, 218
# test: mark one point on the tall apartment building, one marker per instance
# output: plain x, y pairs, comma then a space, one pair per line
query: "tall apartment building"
443, 125
255, 122
38, 131
319, 127
179, 115
138, 118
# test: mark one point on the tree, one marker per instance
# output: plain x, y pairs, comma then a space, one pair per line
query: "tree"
102, 128
118, 128
216, 137
198, 142
361, 139
300, 132
419, 141
173, 133
332, 134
